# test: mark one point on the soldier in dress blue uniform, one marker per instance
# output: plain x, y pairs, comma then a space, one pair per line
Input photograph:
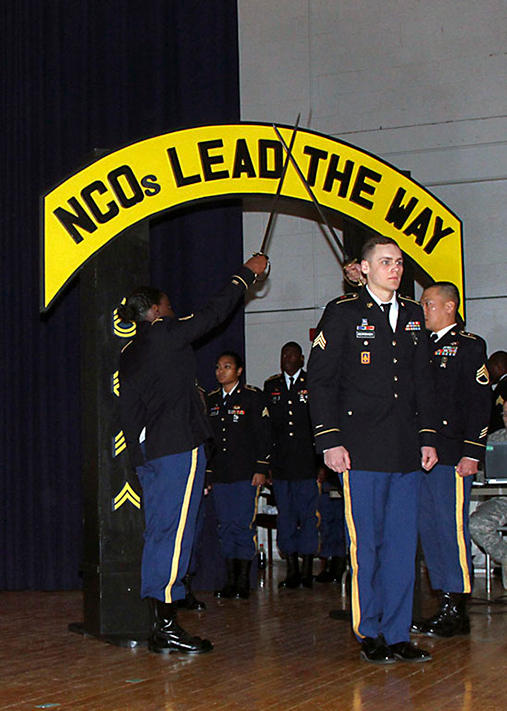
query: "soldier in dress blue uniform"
294, 467
371, 401
237, 469
463, 404
165, 429
497, 367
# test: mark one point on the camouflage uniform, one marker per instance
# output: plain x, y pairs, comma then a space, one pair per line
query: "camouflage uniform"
489, 516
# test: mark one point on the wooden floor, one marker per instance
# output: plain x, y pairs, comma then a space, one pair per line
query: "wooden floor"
278, 650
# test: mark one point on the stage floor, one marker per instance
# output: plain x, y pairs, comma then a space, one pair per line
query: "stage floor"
277, 650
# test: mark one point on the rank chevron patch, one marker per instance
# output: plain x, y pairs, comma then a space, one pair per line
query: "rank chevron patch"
482, 376
126, 494
320, 341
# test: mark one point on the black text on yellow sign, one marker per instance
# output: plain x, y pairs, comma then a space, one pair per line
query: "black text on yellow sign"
93, 206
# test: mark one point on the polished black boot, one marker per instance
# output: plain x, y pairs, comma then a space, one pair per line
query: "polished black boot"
190, 602
450, 619
229, 589
292, 580
333, 570
167, 636
243, 584
307, 571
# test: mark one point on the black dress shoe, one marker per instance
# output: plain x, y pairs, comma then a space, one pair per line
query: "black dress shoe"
376, 651
408, 652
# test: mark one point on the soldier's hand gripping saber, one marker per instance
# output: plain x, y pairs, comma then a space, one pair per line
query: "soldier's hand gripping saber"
345, 261
272, 215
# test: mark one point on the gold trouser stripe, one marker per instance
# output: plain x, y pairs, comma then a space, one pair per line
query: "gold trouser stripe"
460, 532
181, 525
256, 508
351, 526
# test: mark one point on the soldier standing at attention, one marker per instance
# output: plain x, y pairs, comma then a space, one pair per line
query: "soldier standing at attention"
371, 401
237, 468
497, 368
463, 403
294, 467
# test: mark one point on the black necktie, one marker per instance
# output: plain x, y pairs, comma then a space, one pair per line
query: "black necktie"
291, 381
385, 308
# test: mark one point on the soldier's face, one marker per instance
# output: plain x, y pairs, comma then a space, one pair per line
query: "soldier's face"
226, 371
383, 268
292, 360
437, 311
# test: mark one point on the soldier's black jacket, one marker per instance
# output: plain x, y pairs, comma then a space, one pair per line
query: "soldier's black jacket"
371, 390
158, 379
463, 396
293, 456
241, 434
499, 396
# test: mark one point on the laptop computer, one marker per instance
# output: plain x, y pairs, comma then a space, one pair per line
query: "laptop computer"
495, 463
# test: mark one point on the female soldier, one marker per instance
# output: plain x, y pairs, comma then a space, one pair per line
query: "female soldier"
239, 465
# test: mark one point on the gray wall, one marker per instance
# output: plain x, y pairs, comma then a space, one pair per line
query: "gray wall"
420, 84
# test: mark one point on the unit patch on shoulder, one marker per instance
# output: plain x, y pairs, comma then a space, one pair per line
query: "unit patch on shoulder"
482, 375
320, 341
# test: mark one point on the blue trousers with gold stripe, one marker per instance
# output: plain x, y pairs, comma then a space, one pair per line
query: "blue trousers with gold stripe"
236, 508
381, 514
298, 518
172, 490
445, 538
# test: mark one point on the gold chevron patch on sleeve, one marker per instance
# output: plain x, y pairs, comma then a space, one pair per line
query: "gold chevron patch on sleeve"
265, 412
119, 443
320, 341
115, 383
482, 376
499, 401
483, 433
126, 494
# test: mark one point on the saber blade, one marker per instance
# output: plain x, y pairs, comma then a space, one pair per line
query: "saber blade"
273, 213
310, 192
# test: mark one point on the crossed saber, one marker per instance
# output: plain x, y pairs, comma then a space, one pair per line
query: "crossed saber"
345, 260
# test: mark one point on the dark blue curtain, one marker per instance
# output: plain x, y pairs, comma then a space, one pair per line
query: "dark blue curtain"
76, 76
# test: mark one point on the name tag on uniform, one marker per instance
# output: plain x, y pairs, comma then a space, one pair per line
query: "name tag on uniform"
413, 326
365, 330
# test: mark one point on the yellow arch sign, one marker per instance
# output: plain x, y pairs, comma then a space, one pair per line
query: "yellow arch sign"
93, 206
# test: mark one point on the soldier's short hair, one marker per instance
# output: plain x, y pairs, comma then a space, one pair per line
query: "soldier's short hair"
370, 245
293, 344
449, 290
